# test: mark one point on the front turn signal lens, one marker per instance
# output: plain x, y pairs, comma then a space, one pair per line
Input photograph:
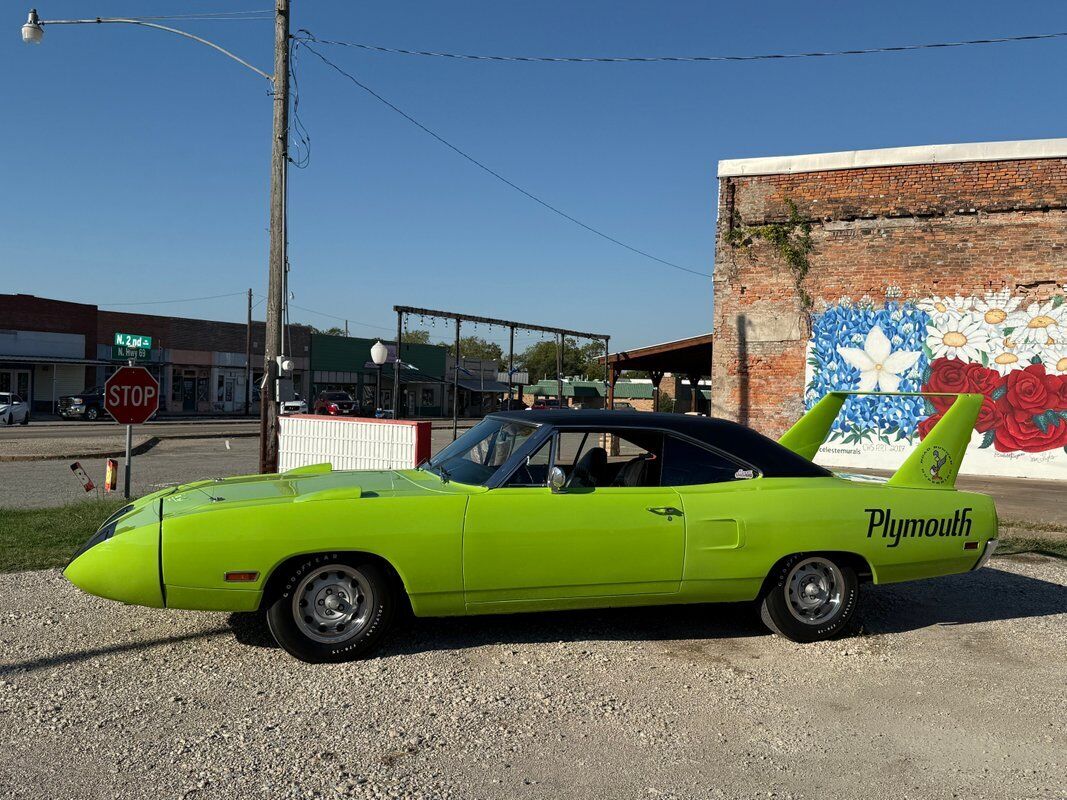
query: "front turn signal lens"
241, 577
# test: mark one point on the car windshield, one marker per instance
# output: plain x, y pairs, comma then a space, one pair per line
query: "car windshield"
5, 399
476, 455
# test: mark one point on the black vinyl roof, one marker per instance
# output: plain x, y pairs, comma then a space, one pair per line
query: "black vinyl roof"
773, 460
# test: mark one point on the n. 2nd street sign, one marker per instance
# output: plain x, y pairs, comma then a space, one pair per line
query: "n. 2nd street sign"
134, 340
131, 395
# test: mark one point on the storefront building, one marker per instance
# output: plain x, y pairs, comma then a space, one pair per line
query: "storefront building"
53, 348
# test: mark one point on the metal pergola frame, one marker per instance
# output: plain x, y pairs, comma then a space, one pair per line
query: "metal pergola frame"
511, 325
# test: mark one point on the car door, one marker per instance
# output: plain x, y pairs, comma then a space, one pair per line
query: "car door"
524, 544
724, 500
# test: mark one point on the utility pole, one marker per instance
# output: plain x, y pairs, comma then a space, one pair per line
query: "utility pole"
279, 165
559, 369
248, 357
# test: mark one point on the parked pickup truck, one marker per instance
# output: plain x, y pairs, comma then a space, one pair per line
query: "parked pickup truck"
87, 404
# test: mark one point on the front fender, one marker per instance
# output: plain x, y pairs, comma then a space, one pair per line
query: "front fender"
420, 537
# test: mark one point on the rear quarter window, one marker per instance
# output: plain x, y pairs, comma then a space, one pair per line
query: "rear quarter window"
688, 464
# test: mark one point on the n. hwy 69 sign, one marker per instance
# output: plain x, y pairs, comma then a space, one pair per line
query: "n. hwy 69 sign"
131, 395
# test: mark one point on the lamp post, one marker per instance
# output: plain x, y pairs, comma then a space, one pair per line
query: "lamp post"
273, 351
379, 354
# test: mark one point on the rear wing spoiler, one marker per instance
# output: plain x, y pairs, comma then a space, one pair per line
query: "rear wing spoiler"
934, 464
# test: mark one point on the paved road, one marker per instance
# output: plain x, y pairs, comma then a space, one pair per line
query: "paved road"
91, 430
40, 484
232, 452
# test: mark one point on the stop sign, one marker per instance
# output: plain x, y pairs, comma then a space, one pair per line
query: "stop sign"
131, 395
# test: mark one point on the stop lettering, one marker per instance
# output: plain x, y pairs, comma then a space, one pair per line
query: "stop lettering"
131, 395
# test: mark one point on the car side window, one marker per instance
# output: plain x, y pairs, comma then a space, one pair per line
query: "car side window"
16, 399
534, 469
688, 464
621, 458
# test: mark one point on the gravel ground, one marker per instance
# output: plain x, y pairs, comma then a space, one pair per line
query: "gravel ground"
949, 688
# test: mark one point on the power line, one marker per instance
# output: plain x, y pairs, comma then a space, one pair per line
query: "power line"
182, 300
494, 173
216, 15
349, 320
684, 59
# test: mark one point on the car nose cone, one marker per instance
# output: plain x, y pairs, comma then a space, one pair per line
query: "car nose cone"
125, 567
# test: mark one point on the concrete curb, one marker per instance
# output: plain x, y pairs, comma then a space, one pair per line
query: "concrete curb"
137, 450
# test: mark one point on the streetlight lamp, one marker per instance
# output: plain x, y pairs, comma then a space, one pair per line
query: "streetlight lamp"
32, 32
379, 354
274, 349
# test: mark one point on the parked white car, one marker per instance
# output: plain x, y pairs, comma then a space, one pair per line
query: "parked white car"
13, 409
295, 406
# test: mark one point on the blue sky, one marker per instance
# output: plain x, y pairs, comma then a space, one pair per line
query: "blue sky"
136, 163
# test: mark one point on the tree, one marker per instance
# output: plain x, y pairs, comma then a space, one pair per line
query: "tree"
476, 347
540, 359
334, 331
415, 337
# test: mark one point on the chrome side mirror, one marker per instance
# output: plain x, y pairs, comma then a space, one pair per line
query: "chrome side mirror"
557, 479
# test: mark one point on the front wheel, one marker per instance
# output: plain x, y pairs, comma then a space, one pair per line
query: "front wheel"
329, 610
811, 597
92, 413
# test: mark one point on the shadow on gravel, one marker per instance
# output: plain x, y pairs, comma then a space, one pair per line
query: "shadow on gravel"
662, 623
984, 596
987, 595
250, 628
650, 624
65, 659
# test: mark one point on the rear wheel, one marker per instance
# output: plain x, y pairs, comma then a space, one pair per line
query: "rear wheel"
811, 597
329, 610
26, 419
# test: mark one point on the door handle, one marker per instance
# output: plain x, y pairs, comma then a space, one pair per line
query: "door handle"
665, 511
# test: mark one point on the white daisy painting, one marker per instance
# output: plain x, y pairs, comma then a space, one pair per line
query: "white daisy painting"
964, 338
1040, 324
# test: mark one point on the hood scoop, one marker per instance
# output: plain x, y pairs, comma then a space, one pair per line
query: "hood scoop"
336, 493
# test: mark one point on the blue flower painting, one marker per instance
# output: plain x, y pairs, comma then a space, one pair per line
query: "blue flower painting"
858, 347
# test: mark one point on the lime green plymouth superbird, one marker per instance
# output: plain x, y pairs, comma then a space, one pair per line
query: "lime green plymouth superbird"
541, 510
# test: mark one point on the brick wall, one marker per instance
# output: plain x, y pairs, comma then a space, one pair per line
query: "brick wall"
24, 312
910, 231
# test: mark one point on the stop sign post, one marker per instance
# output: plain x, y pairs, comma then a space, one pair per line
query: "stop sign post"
131, 396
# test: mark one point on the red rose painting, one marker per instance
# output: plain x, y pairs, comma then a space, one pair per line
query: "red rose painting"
1026, 410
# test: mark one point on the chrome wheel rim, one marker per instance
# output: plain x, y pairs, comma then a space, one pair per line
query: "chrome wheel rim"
332, 604
813, 590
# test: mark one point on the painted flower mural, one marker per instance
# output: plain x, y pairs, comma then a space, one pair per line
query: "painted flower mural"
1011, 351
858, 346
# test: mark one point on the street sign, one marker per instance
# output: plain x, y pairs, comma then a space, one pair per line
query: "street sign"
120, 352
135, 340
81, 475
131, 395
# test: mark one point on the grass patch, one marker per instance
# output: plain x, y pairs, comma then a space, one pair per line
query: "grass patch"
1030, 525
1045, 545
41, 538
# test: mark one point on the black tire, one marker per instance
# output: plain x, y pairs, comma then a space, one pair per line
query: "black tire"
11, 418
297, 595
92, 413
25, 419
829, 607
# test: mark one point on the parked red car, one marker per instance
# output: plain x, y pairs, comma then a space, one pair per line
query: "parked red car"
335, 404
542, 403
